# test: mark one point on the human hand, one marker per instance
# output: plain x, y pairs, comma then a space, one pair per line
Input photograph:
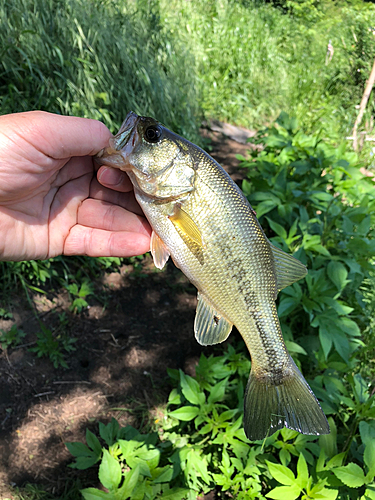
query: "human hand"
51, 202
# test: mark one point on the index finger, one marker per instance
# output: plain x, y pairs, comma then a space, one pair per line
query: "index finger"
58, 136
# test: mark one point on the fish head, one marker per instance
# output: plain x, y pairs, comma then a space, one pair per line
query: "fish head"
156, 159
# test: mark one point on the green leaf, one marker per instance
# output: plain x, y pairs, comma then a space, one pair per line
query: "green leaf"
83, 463
93, 442
285, 492
94, 494
78, 449
337, 273
281, 473
302, 472
130, 482
190, 388
325, 494
325, 340
328, 442
264, 207
218, 391
175, 494
109, 471
351, 475
367, 431
277, 228
185, 413
369, 456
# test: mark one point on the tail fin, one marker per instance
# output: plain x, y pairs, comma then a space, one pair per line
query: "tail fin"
292, 404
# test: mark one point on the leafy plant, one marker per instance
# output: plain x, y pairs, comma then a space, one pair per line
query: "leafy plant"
11, 337
79, 294
52, 346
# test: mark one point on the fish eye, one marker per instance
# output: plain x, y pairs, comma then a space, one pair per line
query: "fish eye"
153, 134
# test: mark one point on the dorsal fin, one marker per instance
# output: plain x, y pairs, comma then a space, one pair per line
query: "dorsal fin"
209, 327
288, 268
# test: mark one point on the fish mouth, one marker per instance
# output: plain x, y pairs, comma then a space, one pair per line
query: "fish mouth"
117, 153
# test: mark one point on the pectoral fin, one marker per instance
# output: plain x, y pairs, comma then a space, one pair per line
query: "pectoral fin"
288, 268
159, 251
189, 232
209, 327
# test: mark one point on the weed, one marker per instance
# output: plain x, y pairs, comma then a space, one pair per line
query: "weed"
52, 346
11, 338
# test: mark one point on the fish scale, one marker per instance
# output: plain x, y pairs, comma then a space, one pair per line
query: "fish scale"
202, 220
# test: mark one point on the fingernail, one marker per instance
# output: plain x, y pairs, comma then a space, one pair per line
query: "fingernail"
111, 177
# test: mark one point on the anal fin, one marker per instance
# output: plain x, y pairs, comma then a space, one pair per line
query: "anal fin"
209, 327
159, 251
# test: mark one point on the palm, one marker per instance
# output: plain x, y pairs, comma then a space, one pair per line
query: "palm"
50, 200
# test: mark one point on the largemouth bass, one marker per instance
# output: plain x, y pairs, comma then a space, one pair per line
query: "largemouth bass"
203, 221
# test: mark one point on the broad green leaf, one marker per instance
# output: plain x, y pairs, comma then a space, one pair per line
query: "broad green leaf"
337, 273
285, 492
164, 474
302, 472
185, 413
360, 388
78, 449
83, 463
95, 494
328, 442
325, 494
367, 431
190, 388
277, 228
264, 207
218, 391
295, 348
369, 456
130, 482
281, 473
351, 475
369, 493
175, 494
109, 471
93, 442
325, 340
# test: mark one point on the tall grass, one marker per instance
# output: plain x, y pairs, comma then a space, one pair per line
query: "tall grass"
241, 61
95, 59
255, 59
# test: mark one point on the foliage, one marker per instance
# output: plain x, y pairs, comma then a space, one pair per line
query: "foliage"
255, 58
54, 58
201, 445
52, 346
11, 338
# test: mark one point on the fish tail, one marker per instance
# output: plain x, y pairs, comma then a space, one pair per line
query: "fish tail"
272, 403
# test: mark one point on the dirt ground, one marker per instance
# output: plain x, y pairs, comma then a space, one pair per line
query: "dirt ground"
119, 367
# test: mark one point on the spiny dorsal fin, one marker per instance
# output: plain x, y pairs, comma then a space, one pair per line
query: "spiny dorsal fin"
209, 327
189, 231
288, 268
159, 251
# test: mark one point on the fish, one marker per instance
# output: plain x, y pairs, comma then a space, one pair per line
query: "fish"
201, 219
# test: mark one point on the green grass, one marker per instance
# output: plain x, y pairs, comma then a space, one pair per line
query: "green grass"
95, 59
254, 59
176, 60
